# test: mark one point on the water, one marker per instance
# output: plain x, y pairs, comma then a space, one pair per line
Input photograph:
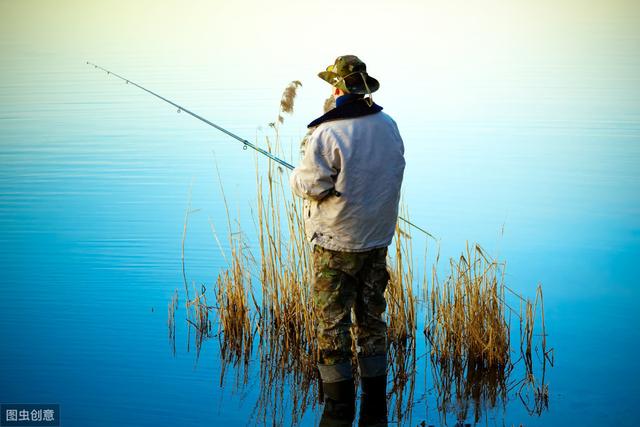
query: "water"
538, 134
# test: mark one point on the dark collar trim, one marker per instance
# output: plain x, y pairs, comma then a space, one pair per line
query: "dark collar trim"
350, 110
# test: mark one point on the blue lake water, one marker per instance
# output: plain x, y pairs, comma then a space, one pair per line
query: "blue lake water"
95, 178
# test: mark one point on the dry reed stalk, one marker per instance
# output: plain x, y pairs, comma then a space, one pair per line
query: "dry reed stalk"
286, 323
533, 391
233, 288
198, 317
400, 296
184, 238
402, 370
286, 320
171, 321
401, 318
234, 321
468, 333
187, 214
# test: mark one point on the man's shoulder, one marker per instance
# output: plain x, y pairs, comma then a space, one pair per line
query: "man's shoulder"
385, 117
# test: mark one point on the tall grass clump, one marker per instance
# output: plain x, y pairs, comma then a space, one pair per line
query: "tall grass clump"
234, 322
468, 332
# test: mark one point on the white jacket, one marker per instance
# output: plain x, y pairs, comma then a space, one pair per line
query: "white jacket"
362, 158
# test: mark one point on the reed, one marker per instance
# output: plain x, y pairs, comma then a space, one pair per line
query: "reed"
402, 358
234, 322
233, 289
288, 97
400, 295
468, 333
188, 212
401, 318
467, 313
197, 309
198, 317
533, 390
286, 318
171, 321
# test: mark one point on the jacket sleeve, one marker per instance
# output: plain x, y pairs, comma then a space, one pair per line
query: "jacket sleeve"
315, 176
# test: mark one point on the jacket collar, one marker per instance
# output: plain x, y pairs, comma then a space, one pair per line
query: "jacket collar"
348, 110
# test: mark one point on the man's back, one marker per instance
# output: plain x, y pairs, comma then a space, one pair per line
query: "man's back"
361, 158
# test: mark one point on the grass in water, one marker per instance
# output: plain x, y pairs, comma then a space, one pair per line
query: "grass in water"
468, 333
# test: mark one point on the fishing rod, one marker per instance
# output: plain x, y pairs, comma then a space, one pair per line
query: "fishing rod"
231, 134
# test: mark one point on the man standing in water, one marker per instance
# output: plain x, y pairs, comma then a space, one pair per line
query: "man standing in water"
350, 178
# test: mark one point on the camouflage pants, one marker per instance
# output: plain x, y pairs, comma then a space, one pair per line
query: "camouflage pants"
346, 281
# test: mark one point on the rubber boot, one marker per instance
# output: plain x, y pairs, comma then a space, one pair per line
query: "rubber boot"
339, 404
373, 402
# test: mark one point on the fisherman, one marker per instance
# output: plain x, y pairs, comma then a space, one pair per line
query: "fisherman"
350, 179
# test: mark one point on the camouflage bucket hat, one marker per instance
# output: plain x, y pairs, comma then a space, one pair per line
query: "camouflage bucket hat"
349, 73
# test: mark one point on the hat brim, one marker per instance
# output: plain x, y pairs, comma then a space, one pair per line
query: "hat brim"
351, 84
